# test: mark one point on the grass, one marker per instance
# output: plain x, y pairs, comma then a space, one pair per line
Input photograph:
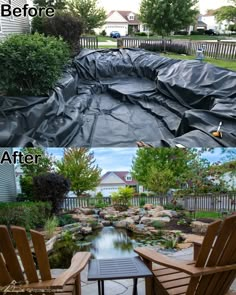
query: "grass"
205, 214
227, 64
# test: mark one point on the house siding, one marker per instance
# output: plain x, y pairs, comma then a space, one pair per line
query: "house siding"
7, 180
16, 25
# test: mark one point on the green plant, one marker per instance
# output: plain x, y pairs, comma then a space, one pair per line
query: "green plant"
157, 224
31, 64
26, 214
65, 219
142, 202
171, 241
103, 33
123, 196
168, 47
50, 226
182, 221
173, 206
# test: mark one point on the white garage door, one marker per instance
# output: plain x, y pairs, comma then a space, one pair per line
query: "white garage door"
122, 29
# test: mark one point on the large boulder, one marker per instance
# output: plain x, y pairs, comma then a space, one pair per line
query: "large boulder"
124, 223
163, 213
86, 230
149, 220
87, 211
199, 227
148, 206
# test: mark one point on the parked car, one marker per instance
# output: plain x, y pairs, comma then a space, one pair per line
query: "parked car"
211, 32
115, 34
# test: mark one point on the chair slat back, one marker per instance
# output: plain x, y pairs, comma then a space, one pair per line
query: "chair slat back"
22, 244
5, 278
218, 249
41, 255
9, 254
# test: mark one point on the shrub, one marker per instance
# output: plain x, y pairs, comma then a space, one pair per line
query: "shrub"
64, 25
51, 187
172, 206
50, 226
170, 47
65, 219
26, 214
31, 64
123, 196
141, 34
182, 33
103, 33
157, 224
196, 33
142, 202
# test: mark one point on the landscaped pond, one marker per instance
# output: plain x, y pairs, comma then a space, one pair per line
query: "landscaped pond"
109, 242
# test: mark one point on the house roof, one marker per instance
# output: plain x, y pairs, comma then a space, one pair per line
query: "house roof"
201, 24
125, 14
121, 175
210, 12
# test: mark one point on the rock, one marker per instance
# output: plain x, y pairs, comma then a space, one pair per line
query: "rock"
98, 226
86, 230
148, 206
199, 227
184, 245
190, 238
162, 213
124, 223
106, 222
87, 211
149, 220
154, 231
136, 218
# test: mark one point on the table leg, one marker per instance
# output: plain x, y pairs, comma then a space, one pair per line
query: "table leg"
99, 287
103, 291
135, 288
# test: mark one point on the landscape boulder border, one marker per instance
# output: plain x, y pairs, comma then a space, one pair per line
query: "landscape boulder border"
118, 97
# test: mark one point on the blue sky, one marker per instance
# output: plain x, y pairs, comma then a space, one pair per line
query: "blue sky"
120, 159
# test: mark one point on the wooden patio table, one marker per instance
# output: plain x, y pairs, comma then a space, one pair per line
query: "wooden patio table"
117, 269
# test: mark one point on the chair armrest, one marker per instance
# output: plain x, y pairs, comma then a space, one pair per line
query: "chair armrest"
78, 263
150, 255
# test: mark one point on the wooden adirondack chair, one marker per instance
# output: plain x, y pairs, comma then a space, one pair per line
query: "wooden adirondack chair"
25, 274
211, 274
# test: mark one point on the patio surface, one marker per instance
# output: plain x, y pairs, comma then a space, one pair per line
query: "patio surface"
125, 287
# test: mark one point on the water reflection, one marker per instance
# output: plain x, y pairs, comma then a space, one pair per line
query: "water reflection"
110, 243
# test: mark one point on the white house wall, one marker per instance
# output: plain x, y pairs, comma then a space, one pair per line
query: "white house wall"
212, 24
108, 189
14, 25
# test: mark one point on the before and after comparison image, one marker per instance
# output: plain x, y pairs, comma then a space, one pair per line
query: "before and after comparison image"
118, 147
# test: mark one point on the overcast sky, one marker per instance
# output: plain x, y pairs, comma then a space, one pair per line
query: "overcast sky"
134, 4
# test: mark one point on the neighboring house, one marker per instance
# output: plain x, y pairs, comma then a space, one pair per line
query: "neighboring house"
210, 20
124, 22
18, 173
7, 180
11, 24
113, 180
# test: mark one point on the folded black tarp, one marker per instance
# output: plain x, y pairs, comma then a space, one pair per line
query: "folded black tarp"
118, 97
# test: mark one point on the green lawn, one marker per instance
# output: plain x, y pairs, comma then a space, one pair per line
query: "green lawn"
205, 214
227, 64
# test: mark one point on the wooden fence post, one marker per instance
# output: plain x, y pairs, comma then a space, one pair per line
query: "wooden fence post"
217, 49
120, 42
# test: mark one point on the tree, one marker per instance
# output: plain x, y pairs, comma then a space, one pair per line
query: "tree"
32, 170
78, 165
165, 16
56, 4
92, 16
51, 187
227, 13
150, 166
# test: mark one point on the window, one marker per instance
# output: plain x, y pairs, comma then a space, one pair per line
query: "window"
128, 177
131, 17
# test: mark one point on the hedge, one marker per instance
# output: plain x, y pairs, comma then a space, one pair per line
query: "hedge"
26, 214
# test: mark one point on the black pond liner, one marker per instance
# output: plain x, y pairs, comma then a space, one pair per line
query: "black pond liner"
118, 97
